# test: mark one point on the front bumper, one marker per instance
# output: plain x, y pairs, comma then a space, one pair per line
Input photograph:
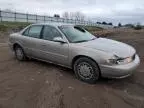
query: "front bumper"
120, 71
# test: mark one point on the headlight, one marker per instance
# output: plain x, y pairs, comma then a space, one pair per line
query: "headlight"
125, 60
117, 60
113, 60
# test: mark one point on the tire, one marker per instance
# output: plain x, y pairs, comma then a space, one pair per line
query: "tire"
19, 53
86, 70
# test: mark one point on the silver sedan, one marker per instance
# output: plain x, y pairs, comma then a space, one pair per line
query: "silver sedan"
74, 47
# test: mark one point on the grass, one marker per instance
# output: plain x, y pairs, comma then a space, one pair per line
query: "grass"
5, 26
93, 28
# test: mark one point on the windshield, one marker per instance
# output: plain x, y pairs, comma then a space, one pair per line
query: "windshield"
76, 34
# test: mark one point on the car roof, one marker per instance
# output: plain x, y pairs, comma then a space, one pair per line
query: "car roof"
54, 24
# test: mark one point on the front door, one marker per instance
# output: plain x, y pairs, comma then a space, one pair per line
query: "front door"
53, 51
30, 40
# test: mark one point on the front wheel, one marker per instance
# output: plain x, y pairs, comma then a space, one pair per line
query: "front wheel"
86, 70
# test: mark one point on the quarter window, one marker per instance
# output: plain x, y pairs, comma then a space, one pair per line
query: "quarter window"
49, 33
25, 33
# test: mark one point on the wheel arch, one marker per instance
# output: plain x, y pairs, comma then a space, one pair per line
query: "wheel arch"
79, 56
16, 44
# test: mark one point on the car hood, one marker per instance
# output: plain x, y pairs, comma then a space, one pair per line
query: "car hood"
118, 48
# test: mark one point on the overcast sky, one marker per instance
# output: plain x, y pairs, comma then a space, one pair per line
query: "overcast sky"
125, 11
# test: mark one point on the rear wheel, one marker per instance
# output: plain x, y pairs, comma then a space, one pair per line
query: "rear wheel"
86, 70
19, 53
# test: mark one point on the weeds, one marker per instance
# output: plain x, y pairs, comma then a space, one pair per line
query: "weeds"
5, 26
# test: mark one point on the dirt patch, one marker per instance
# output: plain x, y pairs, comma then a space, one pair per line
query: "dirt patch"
35, 84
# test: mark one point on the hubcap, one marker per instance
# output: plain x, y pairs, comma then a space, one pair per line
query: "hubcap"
85, 70
19, 53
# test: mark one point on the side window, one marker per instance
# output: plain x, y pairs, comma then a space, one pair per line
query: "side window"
49, 33
35, 31
25, 33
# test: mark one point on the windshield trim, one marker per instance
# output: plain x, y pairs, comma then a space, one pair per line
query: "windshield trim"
64, 34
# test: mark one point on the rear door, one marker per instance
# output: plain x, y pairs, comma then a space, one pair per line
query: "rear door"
30, 40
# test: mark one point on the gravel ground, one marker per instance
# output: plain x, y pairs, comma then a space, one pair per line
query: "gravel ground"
35, 84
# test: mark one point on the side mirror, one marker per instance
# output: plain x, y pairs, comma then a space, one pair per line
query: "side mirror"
59, 39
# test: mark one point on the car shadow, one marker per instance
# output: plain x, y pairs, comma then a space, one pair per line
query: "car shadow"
66, 72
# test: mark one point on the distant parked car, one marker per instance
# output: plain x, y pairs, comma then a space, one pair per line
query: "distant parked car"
73, 47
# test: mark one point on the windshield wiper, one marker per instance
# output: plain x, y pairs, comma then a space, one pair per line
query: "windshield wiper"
80, 41
84, 40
